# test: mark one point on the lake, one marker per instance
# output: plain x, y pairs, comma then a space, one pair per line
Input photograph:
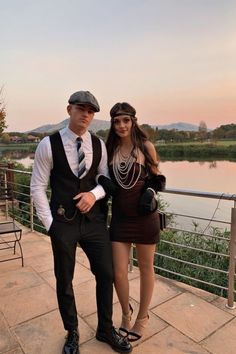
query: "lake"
208, 176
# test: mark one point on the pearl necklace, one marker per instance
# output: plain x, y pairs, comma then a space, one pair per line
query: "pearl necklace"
122, 166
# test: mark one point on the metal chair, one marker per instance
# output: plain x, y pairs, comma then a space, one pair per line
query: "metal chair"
10, 232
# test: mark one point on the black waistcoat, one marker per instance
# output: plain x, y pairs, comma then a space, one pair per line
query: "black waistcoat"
65, 185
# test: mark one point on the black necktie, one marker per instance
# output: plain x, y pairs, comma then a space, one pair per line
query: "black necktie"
81, 158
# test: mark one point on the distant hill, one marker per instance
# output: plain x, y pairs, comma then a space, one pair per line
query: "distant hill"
98, 124
179, 126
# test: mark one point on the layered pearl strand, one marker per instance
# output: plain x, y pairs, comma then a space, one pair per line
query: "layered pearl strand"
122, 165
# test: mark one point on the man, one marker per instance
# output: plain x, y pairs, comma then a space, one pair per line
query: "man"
71, 159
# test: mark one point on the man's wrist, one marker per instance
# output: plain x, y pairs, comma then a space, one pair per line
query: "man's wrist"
93, 194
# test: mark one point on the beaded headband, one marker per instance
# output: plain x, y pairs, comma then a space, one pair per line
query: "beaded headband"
123, 114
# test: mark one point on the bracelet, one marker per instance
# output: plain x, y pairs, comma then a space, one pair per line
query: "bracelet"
151, 189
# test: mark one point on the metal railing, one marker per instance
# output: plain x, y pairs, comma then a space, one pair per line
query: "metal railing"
212, 243
225, 237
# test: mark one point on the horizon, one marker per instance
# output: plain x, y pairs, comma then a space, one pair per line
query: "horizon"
103, 120
108, 120
173, 61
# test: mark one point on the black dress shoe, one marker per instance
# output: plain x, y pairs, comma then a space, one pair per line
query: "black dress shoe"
116, 341
72, 343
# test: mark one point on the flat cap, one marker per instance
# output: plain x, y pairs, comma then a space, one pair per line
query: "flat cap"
86, 98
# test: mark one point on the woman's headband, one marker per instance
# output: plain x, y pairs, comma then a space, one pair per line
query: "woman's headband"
122, 113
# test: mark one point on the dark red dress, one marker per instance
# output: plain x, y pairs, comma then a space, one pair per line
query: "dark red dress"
127, 225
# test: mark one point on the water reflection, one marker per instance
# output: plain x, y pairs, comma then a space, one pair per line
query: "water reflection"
26, 158
211, 176
211, 164
16, 155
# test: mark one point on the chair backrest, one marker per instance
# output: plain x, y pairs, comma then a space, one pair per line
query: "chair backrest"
6, 193
7, 196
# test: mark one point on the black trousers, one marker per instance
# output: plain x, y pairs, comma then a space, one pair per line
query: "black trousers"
94, 240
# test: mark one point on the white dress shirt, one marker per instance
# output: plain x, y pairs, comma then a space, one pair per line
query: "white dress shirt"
43, 164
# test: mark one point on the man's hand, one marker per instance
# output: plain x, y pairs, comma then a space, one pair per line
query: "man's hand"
86, 201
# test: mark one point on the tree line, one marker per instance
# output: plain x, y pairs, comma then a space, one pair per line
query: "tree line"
226, 132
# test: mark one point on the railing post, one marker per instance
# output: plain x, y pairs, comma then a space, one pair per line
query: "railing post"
31, 214
232, 255
6, 201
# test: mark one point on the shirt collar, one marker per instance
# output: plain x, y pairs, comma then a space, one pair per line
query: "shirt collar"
72, 136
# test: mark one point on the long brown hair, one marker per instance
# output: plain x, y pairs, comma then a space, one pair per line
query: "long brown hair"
138, 136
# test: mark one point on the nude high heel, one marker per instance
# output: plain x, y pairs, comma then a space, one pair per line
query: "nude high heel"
138, 329
125, 324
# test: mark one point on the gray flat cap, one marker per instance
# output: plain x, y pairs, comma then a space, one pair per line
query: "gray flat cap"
86, 98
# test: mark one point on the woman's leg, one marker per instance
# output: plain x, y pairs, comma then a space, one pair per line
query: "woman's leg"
145, 256
121, 251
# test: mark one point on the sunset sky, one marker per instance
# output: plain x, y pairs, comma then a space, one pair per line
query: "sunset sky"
173, 60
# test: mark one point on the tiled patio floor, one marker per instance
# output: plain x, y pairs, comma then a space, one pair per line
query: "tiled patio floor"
182, 319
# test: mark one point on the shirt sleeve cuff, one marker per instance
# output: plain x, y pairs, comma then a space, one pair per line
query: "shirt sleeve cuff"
47, 222
98, 192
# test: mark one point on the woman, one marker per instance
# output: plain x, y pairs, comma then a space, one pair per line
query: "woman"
132, 161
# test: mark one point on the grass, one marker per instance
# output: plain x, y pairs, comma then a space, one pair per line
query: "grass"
225, 143
15, 146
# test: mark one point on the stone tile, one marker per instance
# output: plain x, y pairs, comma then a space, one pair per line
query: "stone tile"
95, 347
222, 341
9, 266
40, 263
169, 341
162, 292
9, 237
8, 252
85, 295
29, 236
7, 339
13, 281
38, 299
86, 298
49, 277
46, 335
82, 274
35, 248
15, 351
134, 273
7, 257
82, 258
196, 291
192, 316
35, 335
221, 303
